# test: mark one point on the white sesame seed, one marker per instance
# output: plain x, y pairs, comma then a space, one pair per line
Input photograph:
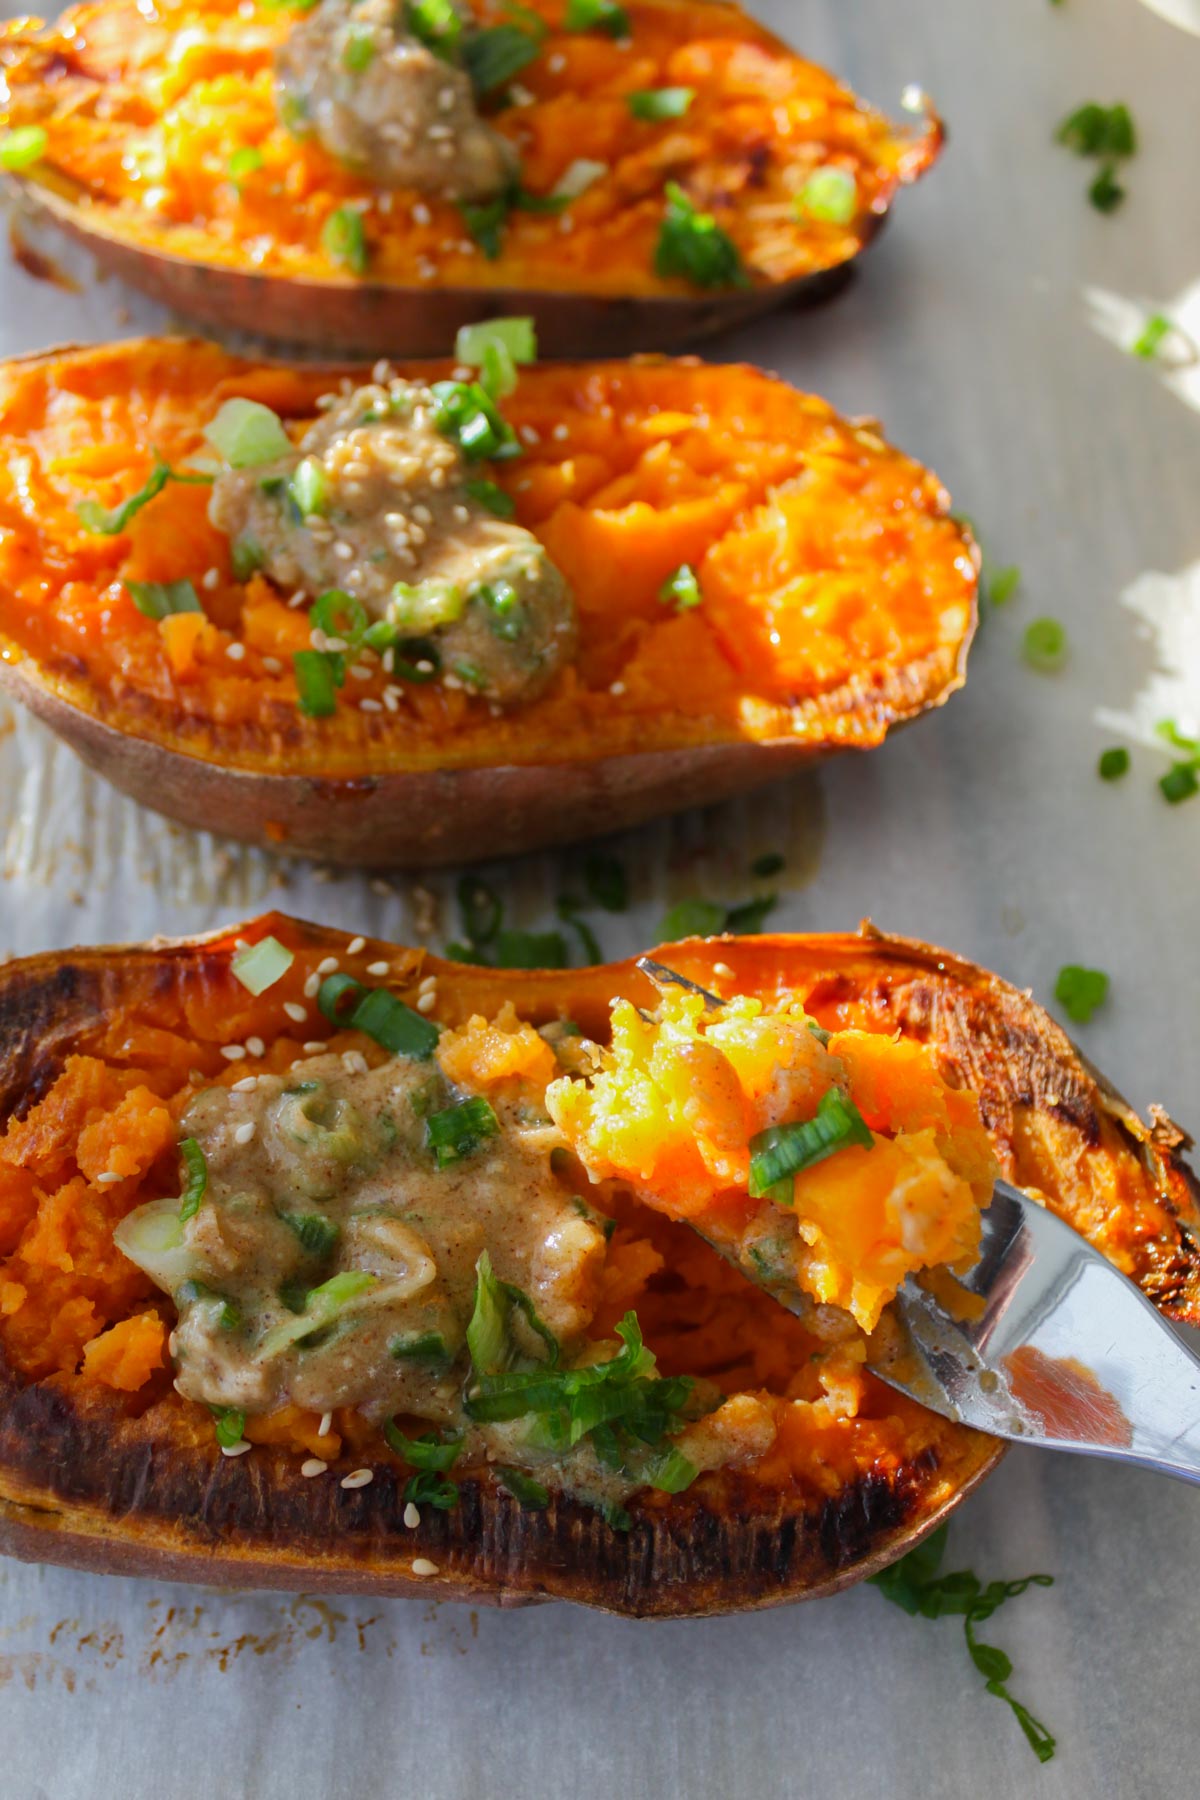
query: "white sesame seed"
421, 213
530, 434
299, 599
108, 1177
314, 1046
244, 1133
295, 1011
312, 987
358, 1478
235, 652
422, 1564
426, 1002
354, 1062
238, 1449
723, 970
412, 1517
427, 984
233, 1052
370, 706
391, 699
618, 688
313, 1466
355, 945
210, 578
377, 968
255, 1046
326, 1425
327, 965
245, 1085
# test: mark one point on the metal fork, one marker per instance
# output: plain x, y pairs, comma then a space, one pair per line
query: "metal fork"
1061, 1350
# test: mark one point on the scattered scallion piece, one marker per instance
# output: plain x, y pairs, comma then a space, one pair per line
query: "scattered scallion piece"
457, 1131
317, 1234
346, 1003
597, 15
196, 1184
1113, 763
244, 161
745, 919
480, 909
197, 1293
530, 949
530, 1493
340, 616
245, 557
438, 25
421, 1347
494, 1349
344, 239
492, 57
246, 434
770, 863
606, 880
1094, 130
427, 1452
779, 1154
468, 417
1002, 584
261, 965
158, 599
359, 52
308, 489
914, 1585
693, 918
318, 678
1045, 645
681, 589
1080, 991
230, 1426
491, 495
568, 909
1106, 192
653, 104
830, 195
22, 147
1152, 336
516, 335
322, 1306
109, 521
693, 246
1179, 783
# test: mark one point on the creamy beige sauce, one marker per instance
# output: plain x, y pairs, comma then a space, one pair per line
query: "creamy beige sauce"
382, 103
399, 530
336, 1152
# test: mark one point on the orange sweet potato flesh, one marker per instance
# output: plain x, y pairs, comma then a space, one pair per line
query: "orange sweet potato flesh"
103, 1464
191, 84
839, 595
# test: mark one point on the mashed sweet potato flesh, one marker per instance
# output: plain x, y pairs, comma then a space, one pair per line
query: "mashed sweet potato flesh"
837, 592
144, 113
100, 1138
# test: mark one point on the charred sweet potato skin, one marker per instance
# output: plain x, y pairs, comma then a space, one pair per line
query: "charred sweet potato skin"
839, 600
100, 1479
193, 82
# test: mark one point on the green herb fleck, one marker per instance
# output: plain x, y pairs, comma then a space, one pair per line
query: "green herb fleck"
1113, 763
1080, 991
1045, 645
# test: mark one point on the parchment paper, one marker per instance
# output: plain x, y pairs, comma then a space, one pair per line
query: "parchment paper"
981, 331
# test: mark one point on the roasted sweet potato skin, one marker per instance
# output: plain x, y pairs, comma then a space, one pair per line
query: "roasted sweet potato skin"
101, 1479
839, 600
194, 82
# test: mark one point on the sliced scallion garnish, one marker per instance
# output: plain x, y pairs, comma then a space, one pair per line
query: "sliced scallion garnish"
359, 51
340, 615
438, 25
196, 1185
246, 434
1080, 991
466, 415
22, 147
261, 965
456, 1131
660, 103
322, 1306
347, 1004
344, 240
245, 161
1045, 645
491, 495
159, 599
531, 1494
318, 678
317, 1234
420, 1347
605, 16
426, 1452
493, 56
493, 1347
1113, 763
693, 246
109, 521
681, 589
778, 1154
230, 1426
830, 195
308, 488
1152, 336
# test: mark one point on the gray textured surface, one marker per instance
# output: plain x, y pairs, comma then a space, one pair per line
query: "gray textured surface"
969, 334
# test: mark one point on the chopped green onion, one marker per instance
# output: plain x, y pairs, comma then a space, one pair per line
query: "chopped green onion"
456, 1131
491, 495
1113, 763
770, 863
196, 1293
830, 195
568, 909
1045, 645
1179, 783
531, 1494
575, 179
530, 950
340, 615
660, 103
494, 56
344, 239
607, 881
159, 599
359, 52
109, 521
597, 15
425, 606
261, 965
747, 917
245, 557
1169, 730
318, 678
317, 1234
321, 1307
480, 909
308, 488
692, 245
1080, 991
196, 1185
681, 589
502, 603
243, 162
230, 1426
669, 1471
438, 25
515, 335
617, 1518
389, 1021
420, 1346
490, 1340
427, 1452
246, 434
468, 417
1093, 130
778, 1154
693, 918
425, 1489
1106, 192
1152, 335
22, 147
484, 221
1002, 584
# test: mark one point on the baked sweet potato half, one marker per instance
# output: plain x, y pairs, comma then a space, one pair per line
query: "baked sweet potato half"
725, 1454
633, 176
680, 580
